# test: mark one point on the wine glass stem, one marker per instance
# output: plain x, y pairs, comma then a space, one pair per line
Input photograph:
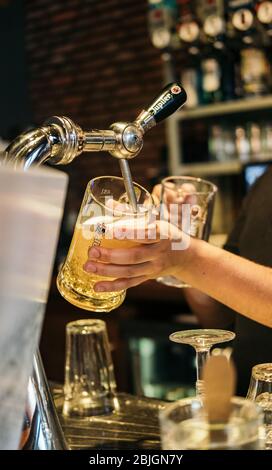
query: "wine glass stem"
201, 357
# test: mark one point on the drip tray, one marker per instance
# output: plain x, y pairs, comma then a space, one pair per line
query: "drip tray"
134, 424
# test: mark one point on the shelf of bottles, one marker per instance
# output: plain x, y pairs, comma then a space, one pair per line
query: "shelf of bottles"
222, 52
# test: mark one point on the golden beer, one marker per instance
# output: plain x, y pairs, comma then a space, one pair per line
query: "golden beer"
75, 284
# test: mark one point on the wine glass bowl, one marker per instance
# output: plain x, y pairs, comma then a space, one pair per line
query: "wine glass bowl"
201, 340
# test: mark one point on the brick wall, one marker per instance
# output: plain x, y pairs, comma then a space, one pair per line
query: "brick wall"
92, 61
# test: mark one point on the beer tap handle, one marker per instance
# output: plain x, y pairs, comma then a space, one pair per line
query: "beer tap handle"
59, 140
172, 97
129, 136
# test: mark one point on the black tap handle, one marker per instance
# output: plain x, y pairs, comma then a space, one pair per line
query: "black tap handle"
173, 96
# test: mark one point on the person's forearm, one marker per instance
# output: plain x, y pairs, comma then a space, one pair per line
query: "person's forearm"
238, 283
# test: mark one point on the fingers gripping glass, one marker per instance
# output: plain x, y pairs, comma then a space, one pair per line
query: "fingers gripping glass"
104, 209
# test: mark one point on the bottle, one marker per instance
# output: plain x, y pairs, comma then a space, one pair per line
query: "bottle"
222, 143
188, 30
217, 61
254, 72
255, 139
212, 17
211, 79
191, 82
267, 140
162, 16
264, 17
241, 21
247, 36
216, 143
242, 144
188, 27
229, 142
263, 10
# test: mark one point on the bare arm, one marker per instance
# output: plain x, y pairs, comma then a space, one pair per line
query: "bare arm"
210, 312
240, 284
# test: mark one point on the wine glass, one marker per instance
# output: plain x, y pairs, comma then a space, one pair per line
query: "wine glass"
260, 391
202, 340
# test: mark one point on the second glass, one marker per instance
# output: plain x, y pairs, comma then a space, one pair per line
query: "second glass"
187, 202
104, 209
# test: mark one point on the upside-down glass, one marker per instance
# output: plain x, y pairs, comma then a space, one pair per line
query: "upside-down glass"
260, 391
184, 426
188, 203
89, 387
202, 340
104, 210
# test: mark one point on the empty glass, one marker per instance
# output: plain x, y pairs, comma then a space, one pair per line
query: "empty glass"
187, 202
184, 426
260, 391
202, 340
90, 386
104, 210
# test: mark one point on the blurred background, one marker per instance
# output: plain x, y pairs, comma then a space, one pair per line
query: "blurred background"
101, 62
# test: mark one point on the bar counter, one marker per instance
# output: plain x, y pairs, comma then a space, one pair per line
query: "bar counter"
134, 426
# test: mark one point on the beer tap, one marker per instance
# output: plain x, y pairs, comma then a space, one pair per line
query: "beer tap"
59, 141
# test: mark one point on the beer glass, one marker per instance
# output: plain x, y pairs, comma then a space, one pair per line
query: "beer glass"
187, 202
90, 386
104, 212
260, 391
184, 426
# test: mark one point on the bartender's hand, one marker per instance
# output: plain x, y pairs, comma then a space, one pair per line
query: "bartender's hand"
161, 251
173, 200
171, 195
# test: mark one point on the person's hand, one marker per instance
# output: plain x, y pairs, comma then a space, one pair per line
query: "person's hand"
172, 194
160, 251
177, 203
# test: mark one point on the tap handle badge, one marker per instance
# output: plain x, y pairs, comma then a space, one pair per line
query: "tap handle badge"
173, 96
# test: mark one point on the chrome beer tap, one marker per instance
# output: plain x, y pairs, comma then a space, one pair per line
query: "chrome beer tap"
59, 141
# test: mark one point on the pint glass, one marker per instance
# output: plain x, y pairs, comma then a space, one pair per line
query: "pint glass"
198, 196
105, 209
